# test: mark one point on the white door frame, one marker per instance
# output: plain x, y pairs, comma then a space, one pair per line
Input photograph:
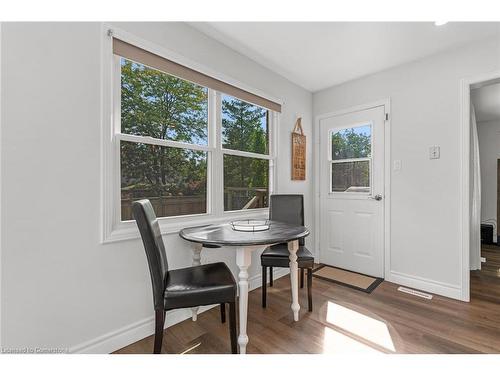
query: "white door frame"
1, 25
464, 203
386, 103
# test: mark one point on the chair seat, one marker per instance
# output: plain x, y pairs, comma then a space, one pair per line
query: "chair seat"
199, 285
278, 256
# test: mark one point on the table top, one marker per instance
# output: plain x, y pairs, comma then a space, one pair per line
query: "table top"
225, 235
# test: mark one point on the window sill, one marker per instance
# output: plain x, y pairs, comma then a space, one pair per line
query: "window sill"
128, 230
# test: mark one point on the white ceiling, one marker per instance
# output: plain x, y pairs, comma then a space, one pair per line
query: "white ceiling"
486, 102
317, 55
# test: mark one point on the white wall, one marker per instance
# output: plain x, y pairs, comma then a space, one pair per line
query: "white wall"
425, 103
489, 152
61, 287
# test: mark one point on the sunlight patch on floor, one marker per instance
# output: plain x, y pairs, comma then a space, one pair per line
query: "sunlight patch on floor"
337, 343
191, 348
361, 325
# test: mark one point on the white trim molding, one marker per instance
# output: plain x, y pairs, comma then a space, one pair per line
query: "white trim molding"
464, 196
422, 283
119, 338
113, 229
386, 103
1, 321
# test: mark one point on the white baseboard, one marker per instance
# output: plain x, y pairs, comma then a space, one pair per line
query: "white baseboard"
431, 286
131, 333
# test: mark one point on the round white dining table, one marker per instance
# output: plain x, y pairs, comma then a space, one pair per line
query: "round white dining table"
244, 243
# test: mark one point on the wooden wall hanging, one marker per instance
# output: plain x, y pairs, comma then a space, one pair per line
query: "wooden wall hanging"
298, 151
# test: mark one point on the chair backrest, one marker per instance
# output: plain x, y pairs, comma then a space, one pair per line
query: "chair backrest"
145, 217
287, 208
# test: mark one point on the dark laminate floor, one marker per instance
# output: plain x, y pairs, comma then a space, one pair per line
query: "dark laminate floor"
346, 320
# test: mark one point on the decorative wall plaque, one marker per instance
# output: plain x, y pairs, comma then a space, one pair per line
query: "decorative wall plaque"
298, 151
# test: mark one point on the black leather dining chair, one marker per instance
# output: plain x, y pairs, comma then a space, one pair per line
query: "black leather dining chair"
287, 208
202, 285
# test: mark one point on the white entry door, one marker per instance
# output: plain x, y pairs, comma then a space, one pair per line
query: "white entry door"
352, 191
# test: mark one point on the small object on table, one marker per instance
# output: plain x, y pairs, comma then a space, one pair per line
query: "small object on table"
250, 225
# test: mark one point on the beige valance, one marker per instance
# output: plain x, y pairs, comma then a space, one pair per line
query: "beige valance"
152, 60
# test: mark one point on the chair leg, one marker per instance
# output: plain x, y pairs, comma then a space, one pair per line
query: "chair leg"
160, 323
270, 276
264, 286
309, 288
301, 278
232, 327
223, 313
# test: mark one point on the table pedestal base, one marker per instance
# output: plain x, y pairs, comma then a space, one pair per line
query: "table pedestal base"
293, 246
196, 262
243, 261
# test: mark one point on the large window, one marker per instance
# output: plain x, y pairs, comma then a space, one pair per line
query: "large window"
184, 142
245, 128
158, 107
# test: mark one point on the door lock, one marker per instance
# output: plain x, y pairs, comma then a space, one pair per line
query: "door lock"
377, 197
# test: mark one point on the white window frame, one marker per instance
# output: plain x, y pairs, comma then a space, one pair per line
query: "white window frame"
113, 229
347, 194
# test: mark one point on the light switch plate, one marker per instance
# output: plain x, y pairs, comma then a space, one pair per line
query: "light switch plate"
434, 152
397, 165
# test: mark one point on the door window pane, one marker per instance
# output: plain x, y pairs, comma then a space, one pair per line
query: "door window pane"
352, 143
245, 126
351, 177
246, 182
162, 106
173, 179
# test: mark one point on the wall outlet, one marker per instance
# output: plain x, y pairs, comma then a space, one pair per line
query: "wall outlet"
434, 152
397, 165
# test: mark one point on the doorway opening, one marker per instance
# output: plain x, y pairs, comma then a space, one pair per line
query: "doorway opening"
481, 190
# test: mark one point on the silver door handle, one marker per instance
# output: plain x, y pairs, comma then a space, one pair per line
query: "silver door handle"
377, 197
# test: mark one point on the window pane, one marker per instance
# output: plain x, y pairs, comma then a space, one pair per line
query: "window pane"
245, 127
246, 183
161, 106
351, 176
173, 179
352, 143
